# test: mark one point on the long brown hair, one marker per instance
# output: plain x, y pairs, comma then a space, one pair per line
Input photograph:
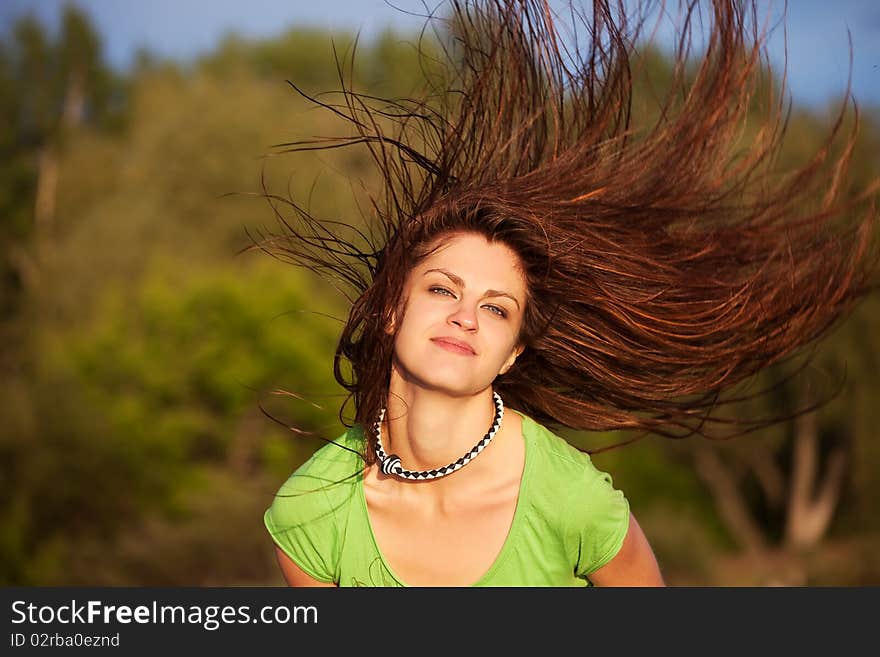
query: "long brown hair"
665, 261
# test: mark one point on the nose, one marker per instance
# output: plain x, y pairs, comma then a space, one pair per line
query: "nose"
465, 317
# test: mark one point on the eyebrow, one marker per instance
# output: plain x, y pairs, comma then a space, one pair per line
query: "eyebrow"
458, 281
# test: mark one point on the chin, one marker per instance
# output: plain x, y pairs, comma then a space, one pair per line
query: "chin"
454, 380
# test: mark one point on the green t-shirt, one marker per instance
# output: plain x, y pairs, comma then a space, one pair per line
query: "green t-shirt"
569, 519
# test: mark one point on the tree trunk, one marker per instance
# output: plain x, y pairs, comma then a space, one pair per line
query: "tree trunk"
72, 115
809, 514
44, 206
729, 500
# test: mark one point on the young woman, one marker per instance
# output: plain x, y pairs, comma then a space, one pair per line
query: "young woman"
539, 260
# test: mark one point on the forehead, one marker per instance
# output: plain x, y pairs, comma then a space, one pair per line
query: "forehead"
478, 262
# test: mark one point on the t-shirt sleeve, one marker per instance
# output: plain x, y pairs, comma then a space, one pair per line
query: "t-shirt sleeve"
302, 522
600, 520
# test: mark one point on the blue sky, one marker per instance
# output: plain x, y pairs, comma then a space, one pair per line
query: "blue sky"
817, 31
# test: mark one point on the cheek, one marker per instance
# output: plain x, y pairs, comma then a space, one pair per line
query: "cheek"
415, 325
421, 313
504, 354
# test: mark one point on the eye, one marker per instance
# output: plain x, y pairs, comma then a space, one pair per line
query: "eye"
497, 310
441, 290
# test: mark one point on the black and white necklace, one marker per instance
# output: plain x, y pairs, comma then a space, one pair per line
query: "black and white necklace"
391, 464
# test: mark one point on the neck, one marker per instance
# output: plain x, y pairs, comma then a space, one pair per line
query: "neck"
430, 429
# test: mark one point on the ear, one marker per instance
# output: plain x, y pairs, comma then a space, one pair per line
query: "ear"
392, 323
511, 359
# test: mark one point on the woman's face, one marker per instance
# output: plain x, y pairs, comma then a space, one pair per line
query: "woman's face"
463, 312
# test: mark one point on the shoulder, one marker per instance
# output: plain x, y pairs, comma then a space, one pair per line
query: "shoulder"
323, 482
308, 515
595, 515
338, 457
554, 453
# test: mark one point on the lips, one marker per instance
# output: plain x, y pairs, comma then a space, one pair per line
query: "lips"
455, 346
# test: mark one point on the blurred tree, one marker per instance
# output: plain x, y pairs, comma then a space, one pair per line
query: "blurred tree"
59, 87
48, 89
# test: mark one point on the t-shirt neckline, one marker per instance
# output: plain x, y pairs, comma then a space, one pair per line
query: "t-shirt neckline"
518, 512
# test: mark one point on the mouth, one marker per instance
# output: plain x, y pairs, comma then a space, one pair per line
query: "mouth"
455, 346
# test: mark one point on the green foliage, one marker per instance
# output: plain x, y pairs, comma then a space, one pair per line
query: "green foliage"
317, 61
176, 365
159, 384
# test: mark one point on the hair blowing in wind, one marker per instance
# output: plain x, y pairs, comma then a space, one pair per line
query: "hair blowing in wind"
667, 260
